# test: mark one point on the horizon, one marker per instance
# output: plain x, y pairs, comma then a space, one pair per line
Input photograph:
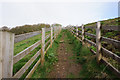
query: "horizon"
64, 13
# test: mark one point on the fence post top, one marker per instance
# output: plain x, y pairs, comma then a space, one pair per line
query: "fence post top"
4, 28
43, 28
82, 24
98, 24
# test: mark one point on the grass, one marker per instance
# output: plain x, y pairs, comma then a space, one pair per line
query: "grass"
108, 34
50, 59
18, 47
90, 67
114, 21
71, 75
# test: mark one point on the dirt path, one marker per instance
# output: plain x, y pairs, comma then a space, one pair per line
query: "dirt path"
66, 66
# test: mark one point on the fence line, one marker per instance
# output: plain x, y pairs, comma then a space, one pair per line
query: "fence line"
109, 40
107, 27
99, 49
7, 50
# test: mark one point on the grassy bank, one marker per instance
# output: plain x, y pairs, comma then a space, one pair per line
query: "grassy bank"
108, 34
90, 68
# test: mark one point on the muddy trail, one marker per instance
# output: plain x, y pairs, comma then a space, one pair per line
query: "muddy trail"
66, 67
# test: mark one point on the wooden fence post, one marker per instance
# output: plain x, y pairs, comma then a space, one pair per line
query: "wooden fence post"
83, 35
71, 28
76, 30
54, 32
98, 42
6, 54
43, 46
60, 28
51, 35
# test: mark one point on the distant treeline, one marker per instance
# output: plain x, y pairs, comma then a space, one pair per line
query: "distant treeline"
29, 28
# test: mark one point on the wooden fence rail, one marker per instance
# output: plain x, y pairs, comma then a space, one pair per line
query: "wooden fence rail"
99, 38
109, 27
23, 53
7, 60
21, 37
109, 40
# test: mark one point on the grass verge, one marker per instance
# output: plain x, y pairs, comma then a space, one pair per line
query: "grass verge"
90, 67
50, 59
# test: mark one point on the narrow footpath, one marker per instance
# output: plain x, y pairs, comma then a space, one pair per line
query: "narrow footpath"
66, 67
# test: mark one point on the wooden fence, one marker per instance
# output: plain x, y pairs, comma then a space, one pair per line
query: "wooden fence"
100, 51
7, 60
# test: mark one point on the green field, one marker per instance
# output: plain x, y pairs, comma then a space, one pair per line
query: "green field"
20, 46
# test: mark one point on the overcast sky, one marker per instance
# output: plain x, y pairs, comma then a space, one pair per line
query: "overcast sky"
75, 12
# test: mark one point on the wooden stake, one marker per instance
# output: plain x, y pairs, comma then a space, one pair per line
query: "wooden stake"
6, 54
76, 30
98, 42
43, 46
83, 35
51, 35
